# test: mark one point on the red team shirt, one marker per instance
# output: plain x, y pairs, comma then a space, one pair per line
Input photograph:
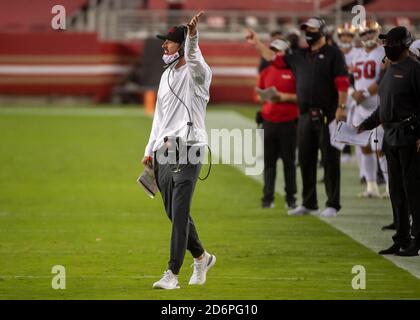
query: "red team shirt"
284, 81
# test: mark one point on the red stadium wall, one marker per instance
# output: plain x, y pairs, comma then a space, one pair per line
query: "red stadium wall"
63, 63
234, 67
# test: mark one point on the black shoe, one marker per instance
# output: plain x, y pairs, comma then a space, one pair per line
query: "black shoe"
267, 205
410, 251
389, 227
290, 205
391, 250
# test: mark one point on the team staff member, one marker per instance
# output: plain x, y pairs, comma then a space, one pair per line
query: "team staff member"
399, 113
275, 35
180, 110
321, 85
414, 52
279, 124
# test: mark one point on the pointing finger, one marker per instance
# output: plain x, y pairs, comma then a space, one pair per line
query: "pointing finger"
195, 18
193, 21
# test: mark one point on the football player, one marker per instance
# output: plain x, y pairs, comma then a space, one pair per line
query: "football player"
367, 65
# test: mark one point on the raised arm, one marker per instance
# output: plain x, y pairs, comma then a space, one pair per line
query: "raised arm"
261, 48
193, 56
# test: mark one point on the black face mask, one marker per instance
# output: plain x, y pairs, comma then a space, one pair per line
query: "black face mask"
312, 37
394, 53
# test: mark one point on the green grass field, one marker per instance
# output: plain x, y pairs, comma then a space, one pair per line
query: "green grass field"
68, 196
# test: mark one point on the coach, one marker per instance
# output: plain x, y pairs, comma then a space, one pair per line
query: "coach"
179, 120
399, 113
321, 85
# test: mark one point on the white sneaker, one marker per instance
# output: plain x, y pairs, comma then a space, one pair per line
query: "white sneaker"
301, 210
268, 205
169, 281
329, 212
368, 195
372, 190
201, 267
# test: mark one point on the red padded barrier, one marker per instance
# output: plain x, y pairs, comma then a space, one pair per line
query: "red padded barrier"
78, 64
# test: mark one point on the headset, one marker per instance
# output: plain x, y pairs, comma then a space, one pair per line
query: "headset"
171, 66
408, 39
323, 25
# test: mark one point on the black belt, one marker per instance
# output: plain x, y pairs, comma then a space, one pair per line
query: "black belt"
402, 123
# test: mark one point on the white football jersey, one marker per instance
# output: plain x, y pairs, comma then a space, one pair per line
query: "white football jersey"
367, 70
351, 55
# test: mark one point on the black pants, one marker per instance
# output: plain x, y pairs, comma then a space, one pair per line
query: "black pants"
279, 141
404, 190
177, 191
313, 135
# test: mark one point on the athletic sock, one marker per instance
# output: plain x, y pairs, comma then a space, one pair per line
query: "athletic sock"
370, 166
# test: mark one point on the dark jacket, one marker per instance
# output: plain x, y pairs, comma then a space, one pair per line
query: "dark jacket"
319, 77
399, 106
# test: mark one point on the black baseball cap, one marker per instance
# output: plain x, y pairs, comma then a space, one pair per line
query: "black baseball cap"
175, 34
396, 36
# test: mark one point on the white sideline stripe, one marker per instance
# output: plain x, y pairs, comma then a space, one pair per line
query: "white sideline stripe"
64, 69
235, 71
344, 223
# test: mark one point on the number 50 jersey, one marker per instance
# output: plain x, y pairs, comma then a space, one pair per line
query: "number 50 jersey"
367, 70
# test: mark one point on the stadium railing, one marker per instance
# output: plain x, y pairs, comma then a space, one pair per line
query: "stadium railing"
127, 24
